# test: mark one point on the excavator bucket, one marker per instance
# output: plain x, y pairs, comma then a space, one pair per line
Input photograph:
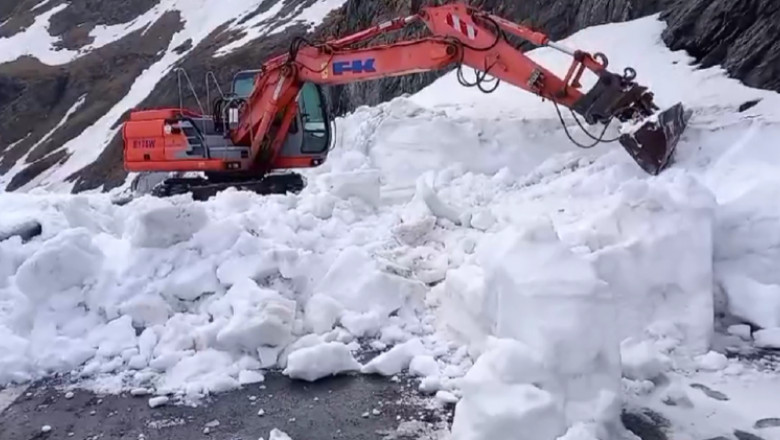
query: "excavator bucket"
652, 142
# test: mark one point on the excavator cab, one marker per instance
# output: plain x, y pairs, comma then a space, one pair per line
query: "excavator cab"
310, 131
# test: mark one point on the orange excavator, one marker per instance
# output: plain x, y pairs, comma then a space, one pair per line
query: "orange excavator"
276, 119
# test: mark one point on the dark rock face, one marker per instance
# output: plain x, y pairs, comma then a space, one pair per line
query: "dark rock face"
741, 35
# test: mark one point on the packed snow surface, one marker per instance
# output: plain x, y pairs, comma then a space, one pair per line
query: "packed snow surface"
463, 237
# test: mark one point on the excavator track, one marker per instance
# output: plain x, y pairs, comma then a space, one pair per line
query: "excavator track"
203, 189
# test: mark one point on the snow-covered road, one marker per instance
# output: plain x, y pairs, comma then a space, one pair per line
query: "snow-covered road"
540, 286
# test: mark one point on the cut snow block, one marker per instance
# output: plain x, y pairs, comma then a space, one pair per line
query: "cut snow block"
655, 249
314, 363
540, 293
356, 282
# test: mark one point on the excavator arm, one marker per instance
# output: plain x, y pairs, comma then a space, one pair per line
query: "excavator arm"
249, 136
461, 36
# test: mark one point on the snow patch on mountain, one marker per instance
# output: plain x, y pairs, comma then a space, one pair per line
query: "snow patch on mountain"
35, 41
6, 178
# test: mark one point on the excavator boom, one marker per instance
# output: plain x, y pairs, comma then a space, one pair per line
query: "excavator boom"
271, 128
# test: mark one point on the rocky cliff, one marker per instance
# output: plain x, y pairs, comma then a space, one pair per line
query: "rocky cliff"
742, 35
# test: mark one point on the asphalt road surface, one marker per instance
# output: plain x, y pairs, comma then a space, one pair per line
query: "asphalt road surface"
345, 408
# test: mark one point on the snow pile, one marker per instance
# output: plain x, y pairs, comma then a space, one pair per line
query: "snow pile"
535, 284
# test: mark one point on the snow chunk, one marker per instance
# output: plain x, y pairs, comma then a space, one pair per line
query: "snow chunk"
146, 310
426, 202
277, 434
191, 281
321, 313
155, 402
362, 324
512, 362
641, 360
258, 317
519, 411
14, 364
742, 331
165, 226
248, 377
396, 359
446, 397
768, 338
712, 361
751, 300
483, 220
363, 184
114, 337
424, 365
356, 282
314, 363
464, 304
581, 431
67, 261
237, 268
208, 371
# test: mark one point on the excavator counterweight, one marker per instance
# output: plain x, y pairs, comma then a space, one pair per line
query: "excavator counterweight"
275, 118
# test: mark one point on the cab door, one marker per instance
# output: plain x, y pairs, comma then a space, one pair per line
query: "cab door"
314, 119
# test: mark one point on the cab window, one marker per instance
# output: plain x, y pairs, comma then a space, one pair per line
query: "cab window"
315, 123
243, 85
